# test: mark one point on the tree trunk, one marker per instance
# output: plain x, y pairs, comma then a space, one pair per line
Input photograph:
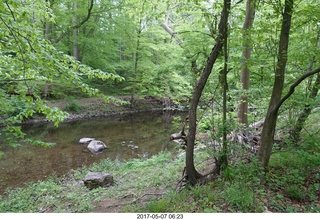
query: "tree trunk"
223, 159
269, 126
136, 60
75, 34
246, 54
192, 173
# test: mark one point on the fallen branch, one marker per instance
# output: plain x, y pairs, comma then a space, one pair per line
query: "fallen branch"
166, 26
181, 134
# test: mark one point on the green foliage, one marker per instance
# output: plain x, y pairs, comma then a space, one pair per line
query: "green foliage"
239, 196
289, 172
295, 192
28, 60
158, 207
22, 200
205, 124
73, 105
295, 159
310, 133
243, 186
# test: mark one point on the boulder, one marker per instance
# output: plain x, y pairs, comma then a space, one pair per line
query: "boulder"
85, 140
96, 147
98, 179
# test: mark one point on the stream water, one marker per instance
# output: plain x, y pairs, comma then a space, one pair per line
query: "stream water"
150, 131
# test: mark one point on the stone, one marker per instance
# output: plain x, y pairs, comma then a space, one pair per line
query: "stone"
98, 179
96, 147
85, 140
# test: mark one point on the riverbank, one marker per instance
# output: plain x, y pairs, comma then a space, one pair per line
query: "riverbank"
83, 108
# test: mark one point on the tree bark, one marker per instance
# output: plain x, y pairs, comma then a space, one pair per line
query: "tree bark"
135, 68
75, 34
269, 126
192, 173
246, 54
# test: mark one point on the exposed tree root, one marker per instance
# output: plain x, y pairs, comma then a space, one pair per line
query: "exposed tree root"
204, 179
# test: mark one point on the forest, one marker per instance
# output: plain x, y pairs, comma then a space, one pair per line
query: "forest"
249, 71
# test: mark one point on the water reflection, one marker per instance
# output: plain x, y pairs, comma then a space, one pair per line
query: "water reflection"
148, 131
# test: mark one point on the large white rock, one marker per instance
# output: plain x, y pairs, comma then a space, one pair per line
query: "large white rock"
96, 147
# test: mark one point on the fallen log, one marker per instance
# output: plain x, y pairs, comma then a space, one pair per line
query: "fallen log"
180, 135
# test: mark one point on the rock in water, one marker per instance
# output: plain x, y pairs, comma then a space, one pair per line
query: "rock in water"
96, 147
98, 179
85, 140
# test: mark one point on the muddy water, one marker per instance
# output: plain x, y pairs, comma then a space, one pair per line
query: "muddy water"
149, 131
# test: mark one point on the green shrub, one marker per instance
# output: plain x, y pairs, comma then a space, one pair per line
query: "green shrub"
73, 105
295, 191
240, 197
159, 206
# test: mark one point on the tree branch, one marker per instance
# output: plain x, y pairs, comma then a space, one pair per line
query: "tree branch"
201, 32
165, 24
64, 33
295, 84
14, 18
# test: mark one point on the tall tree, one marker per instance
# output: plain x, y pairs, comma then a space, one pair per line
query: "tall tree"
270, 121
191, 172
246, 54
75, 34
136, 56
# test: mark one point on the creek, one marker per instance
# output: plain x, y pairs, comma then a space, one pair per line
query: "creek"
150, 131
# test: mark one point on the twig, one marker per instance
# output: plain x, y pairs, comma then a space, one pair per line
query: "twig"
14, 18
